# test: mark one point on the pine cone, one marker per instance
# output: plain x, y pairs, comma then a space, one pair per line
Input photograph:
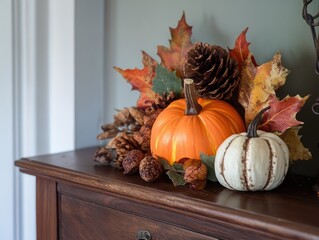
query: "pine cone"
143, 136
125, 120
162, 102
214, 72
122, 143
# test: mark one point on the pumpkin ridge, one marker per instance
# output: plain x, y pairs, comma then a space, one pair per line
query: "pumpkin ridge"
222, 167
208, 134
244, 161
271, 166
189, 143
161, 131
174, 142
223, 126
208, 121
224, 109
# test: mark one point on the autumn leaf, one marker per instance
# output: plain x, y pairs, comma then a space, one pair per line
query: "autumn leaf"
259, 83
176, 178
246, 85
175, 172
166, 82
142, 80
209, 161
282, 114
173, 58
241, 51
297, 151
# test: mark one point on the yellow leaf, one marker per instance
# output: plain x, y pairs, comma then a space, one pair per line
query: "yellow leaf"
297, 150
259, 83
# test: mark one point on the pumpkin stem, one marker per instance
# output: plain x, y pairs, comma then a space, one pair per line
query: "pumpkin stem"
192, 106
252, 128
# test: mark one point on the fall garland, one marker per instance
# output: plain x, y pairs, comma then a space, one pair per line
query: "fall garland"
248, 86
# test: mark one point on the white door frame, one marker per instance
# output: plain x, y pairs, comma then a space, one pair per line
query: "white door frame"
42, 93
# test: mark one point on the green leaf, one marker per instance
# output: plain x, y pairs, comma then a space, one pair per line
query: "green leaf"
164, 163
176, 178
166, 81
178, 167
175, 172
209, 161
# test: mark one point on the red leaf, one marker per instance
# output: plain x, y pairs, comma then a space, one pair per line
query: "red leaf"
173, 58
282, 114
142, 80
241, 50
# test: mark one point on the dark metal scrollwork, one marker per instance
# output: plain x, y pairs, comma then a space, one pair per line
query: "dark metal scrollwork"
313, 22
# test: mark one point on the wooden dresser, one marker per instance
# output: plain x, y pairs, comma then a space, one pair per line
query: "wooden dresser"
79, 199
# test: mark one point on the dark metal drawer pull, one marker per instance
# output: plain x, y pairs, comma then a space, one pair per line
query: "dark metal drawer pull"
144, 235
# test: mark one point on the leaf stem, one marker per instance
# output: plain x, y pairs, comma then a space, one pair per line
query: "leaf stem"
192, 106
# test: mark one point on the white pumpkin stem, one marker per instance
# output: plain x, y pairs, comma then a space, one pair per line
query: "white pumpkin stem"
252, 128
192, 106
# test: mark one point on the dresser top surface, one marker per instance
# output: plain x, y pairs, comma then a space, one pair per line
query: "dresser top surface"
288, 206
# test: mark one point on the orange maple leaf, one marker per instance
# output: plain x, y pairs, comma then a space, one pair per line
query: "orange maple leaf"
173, 58
282, 114
142, 80
241, 50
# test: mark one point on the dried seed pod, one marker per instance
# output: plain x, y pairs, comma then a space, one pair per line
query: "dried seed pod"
107, 156
150, 169
132, 161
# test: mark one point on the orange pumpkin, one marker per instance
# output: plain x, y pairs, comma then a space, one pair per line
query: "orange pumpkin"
188, 127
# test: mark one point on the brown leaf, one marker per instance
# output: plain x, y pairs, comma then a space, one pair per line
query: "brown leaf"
282, 114
173, 58
142, 80
297, 151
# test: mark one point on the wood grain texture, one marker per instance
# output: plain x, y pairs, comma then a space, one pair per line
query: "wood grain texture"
287, 212
81, 220
46, 207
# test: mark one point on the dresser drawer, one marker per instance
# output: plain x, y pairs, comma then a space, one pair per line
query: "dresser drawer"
82, 220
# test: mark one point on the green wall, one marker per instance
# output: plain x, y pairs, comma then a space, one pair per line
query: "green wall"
274, 25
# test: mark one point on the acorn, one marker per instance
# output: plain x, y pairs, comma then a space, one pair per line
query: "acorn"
132, 161
195, 174
150, 169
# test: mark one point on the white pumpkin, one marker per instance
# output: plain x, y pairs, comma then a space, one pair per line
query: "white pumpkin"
252, 161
